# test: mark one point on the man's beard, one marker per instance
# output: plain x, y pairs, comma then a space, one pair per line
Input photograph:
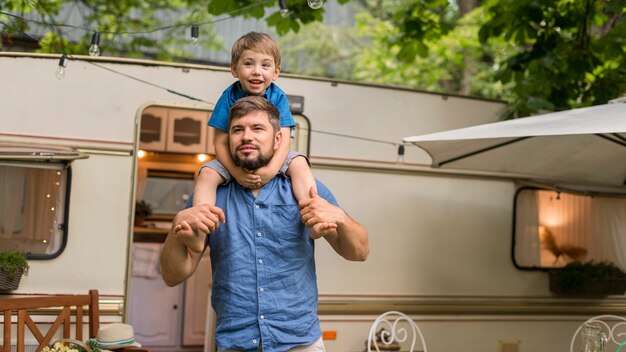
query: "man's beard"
256, 163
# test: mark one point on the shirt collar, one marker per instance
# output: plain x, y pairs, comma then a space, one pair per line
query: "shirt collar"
238, 93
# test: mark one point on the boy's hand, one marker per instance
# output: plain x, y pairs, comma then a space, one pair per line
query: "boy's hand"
265, 175
248, 180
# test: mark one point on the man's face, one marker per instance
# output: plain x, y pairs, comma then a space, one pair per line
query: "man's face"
255, 71
253, 140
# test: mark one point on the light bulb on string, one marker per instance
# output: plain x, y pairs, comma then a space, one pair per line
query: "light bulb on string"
284, 10
94, 49
400, 158
60, 71
315, 4
195, 33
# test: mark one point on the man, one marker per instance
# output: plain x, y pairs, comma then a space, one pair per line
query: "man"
264, 281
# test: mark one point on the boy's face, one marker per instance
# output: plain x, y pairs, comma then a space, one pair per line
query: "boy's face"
255, 71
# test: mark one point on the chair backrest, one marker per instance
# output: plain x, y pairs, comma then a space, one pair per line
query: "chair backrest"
613, 326
68, 305
393, 331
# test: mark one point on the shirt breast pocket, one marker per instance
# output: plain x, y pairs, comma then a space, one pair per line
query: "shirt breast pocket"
288, 228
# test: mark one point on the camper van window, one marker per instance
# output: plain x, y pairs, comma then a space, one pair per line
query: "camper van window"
554, 228
167, 191
33, 207
301, 135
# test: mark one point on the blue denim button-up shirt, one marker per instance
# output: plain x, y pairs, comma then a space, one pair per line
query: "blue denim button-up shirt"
264, 281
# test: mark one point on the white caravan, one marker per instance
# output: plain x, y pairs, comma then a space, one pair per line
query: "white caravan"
440, 240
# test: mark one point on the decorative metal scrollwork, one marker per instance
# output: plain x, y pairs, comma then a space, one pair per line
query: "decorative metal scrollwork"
393, 331
614, 327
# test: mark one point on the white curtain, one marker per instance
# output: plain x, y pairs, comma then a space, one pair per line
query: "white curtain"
579, 228
12, 183
607, 241
567, 218
527, 245
29, 203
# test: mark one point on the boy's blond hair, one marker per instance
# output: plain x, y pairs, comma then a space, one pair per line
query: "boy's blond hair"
255, 41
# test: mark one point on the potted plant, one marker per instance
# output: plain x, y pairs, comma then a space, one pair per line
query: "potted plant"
13, 265
143, 209
594, 279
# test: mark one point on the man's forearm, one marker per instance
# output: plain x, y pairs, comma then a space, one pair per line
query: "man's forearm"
183, 249
351, 241
177, 262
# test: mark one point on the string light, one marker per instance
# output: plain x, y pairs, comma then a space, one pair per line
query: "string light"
195, 33
60, 71
315, 4
400, 158
94, 49
284, 10
230, 15
95, 39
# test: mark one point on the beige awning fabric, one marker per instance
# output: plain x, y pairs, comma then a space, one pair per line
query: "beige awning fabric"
38, 152
583, 146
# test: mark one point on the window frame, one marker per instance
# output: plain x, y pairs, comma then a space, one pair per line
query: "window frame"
66, 166
557, 190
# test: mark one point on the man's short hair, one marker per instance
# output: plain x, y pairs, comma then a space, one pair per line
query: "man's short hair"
248, 104
258, 42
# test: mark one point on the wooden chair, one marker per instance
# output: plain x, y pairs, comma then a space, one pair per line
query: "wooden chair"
69, 305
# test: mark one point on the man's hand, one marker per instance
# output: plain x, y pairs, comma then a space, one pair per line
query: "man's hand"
192, 225
320, 216
349, 238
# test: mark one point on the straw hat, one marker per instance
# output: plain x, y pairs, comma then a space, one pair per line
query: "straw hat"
116, 335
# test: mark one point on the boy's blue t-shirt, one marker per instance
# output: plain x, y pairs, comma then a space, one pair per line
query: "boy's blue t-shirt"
275, 95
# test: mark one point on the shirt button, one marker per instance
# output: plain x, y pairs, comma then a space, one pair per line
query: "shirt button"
254, 341
260, 261
258, 234
262, 289
257, 206
262, 317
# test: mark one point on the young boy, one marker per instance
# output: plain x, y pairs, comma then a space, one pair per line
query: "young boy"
255, 62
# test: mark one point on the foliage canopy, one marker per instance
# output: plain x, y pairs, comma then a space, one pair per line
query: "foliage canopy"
537, 55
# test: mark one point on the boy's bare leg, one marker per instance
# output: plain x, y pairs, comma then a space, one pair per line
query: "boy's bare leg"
302, 181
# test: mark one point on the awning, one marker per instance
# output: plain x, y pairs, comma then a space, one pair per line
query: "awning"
38, 152
586, 145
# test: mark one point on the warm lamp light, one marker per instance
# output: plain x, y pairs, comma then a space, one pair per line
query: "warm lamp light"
141, 153
202, 157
